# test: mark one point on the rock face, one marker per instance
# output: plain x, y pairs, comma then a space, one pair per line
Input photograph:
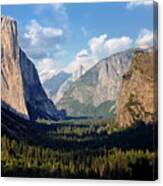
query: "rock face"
98, 85
21, 87
78, 73
138, 96
11, 83
53, 84
58, 84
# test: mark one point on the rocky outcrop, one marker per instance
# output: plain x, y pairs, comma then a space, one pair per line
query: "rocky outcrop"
99, 84
21, 87
12, 91
138, 96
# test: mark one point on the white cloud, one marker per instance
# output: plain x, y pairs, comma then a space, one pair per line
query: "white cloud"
43, 44
82, 53
98, 48
102, 46
137, 3
82, 59
145, 39
47, 67
96, 44
117, 44
38, 35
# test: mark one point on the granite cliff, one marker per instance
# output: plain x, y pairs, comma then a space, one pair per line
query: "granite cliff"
20, 85
12, 91
138, 95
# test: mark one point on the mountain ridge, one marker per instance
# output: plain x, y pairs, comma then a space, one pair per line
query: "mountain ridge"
58, 80
99, 84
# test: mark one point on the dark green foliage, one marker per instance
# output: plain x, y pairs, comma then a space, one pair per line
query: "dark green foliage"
78, 149
19, 159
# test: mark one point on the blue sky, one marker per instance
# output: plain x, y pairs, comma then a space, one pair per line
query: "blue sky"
57, 36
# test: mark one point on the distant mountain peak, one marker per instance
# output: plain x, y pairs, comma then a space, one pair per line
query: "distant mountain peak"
53, 84
78, 73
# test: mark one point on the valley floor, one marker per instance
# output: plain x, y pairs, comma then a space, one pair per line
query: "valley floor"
94, 149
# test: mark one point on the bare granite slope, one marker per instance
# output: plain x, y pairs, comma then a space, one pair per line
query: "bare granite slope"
138, 96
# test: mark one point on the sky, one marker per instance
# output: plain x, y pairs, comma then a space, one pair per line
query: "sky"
65, 36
